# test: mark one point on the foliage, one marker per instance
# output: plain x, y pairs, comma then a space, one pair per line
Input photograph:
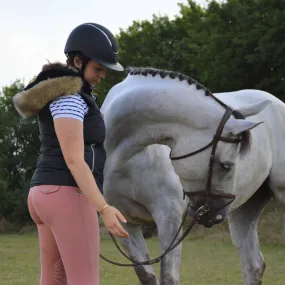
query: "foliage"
19, 147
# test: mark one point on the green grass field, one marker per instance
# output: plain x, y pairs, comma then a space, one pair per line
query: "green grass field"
205, 261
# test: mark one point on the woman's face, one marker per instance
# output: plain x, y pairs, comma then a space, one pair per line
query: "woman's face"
94, 72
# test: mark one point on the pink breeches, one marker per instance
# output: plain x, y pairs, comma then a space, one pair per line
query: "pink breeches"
69, 235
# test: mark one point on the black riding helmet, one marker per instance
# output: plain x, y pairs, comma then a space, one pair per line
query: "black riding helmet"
95, 42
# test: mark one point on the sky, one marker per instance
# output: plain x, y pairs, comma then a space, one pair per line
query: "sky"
33, 32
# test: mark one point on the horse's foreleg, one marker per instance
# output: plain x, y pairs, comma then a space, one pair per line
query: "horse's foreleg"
168, 218
243, 228
137, 250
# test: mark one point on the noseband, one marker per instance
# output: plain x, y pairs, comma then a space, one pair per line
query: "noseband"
217, 137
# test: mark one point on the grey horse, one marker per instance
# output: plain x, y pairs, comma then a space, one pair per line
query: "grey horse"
153, 112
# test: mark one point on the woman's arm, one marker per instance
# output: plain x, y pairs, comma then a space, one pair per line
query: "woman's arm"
69, 132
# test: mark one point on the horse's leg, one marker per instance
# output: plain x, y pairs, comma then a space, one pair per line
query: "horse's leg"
277, 185
243, 228
136, 249
168, 216
279, 196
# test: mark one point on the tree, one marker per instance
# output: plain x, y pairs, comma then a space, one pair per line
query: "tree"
226, 46
19, 145
243, 49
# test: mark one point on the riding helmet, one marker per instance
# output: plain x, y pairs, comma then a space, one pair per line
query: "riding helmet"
95, 42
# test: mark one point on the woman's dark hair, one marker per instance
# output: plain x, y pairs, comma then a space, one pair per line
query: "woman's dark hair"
69, 61
72, 55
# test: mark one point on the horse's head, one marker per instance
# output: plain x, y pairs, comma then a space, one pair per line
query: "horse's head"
208, 172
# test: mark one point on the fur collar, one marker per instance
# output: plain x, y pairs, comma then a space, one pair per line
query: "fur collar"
47, 86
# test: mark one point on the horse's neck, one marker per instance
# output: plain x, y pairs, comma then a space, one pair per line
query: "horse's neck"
159, 111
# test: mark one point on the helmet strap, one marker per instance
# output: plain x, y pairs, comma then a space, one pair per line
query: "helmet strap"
84, 64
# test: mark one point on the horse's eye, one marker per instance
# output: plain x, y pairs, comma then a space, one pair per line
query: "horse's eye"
227, 165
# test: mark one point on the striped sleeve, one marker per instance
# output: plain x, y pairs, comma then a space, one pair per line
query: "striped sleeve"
69, 106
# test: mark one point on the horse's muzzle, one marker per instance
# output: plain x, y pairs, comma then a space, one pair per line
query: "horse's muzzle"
216, 205
210, 218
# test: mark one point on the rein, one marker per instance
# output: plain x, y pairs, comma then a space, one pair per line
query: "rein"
200, 212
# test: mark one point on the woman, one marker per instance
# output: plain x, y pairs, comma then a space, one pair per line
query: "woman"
64, 197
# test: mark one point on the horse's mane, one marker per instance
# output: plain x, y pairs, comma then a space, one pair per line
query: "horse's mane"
166, 73
145, 71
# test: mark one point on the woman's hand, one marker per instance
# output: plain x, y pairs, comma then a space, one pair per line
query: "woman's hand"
111, 217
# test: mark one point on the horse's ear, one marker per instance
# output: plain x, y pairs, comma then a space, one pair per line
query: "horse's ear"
236, 127
253, 109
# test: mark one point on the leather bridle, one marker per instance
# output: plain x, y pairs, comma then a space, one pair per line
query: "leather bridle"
208, 191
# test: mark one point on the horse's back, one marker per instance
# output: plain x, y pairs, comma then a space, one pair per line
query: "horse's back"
248, 96
273, 115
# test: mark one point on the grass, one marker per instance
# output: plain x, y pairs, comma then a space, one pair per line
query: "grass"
208, 256
207, 260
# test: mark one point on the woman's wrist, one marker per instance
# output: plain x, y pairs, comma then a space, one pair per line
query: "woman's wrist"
102, 209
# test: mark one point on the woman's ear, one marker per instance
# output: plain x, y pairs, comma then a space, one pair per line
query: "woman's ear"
78, 62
